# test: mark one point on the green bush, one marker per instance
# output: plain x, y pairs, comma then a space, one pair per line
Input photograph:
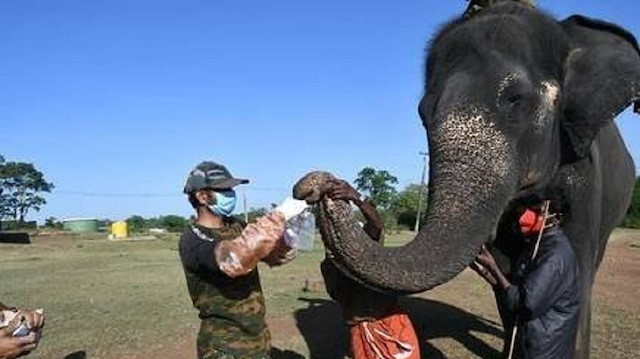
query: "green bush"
17, 225
173, 223
632, 220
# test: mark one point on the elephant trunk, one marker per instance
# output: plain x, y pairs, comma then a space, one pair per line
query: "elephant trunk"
471, 181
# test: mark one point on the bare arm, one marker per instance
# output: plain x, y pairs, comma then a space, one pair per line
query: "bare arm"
502, 281
374, 226
12, 347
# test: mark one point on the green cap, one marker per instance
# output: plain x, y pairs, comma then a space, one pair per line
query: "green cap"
211, 175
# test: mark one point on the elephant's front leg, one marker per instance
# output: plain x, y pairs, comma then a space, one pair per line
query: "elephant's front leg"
583, 188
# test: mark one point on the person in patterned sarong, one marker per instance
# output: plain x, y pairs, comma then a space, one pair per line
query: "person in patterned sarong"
378, 327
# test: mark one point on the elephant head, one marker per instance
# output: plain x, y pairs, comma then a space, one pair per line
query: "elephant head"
511, 95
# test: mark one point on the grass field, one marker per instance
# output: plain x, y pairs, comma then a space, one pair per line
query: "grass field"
129, 300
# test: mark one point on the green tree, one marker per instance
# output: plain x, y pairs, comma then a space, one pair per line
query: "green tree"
5, 209
632, 220
136, 224
21, 185
52, 222
173, 223
405, 207
255, 213
153, 222
378, 185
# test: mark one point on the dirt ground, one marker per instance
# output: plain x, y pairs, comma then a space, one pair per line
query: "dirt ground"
128, 300
457, 320
618, 280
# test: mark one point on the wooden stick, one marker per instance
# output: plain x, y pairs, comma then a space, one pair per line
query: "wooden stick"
545, 210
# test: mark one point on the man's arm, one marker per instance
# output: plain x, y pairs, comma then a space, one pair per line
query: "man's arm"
536, 293
234, 257
197, 254
486, 266
373, 225
484, 273
12, 347
373, 222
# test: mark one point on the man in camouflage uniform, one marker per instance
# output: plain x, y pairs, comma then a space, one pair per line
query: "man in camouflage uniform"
477, 5
231, 304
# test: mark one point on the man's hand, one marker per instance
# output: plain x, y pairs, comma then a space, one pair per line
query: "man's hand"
272, 227
281, 254
341, 189
483, 272
14, 347
486, 266
240, 256
485, 258
34, 318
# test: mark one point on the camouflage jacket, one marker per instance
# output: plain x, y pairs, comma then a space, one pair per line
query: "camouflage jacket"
232, 310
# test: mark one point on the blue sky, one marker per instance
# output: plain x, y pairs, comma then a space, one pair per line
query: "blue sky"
115, 101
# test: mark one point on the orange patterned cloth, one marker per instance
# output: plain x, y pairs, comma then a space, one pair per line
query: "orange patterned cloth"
390, 337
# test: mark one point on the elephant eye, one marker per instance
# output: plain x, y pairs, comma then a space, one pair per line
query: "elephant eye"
514, 99
512, 102
514, 91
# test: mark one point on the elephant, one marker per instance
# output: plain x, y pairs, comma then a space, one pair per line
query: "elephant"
515, 104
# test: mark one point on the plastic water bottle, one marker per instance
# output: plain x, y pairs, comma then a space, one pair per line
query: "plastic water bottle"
300, 231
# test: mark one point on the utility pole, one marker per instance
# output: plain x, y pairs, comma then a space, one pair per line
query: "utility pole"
424, 155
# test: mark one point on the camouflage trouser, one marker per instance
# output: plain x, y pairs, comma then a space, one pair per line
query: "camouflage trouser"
219, 340
216, 354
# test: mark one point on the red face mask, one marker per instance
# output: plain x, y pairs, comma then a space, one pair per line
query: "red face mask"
530, 222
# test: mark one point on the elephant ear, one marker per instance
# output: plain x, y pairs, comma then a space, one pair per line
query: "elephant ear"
602, 78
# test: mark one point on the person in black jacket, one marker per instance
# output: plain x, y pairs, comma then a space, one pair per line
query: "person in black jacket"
541, 297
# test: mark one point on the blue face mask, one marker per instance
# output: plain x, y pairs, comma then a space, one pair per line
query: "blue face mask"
225, 203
